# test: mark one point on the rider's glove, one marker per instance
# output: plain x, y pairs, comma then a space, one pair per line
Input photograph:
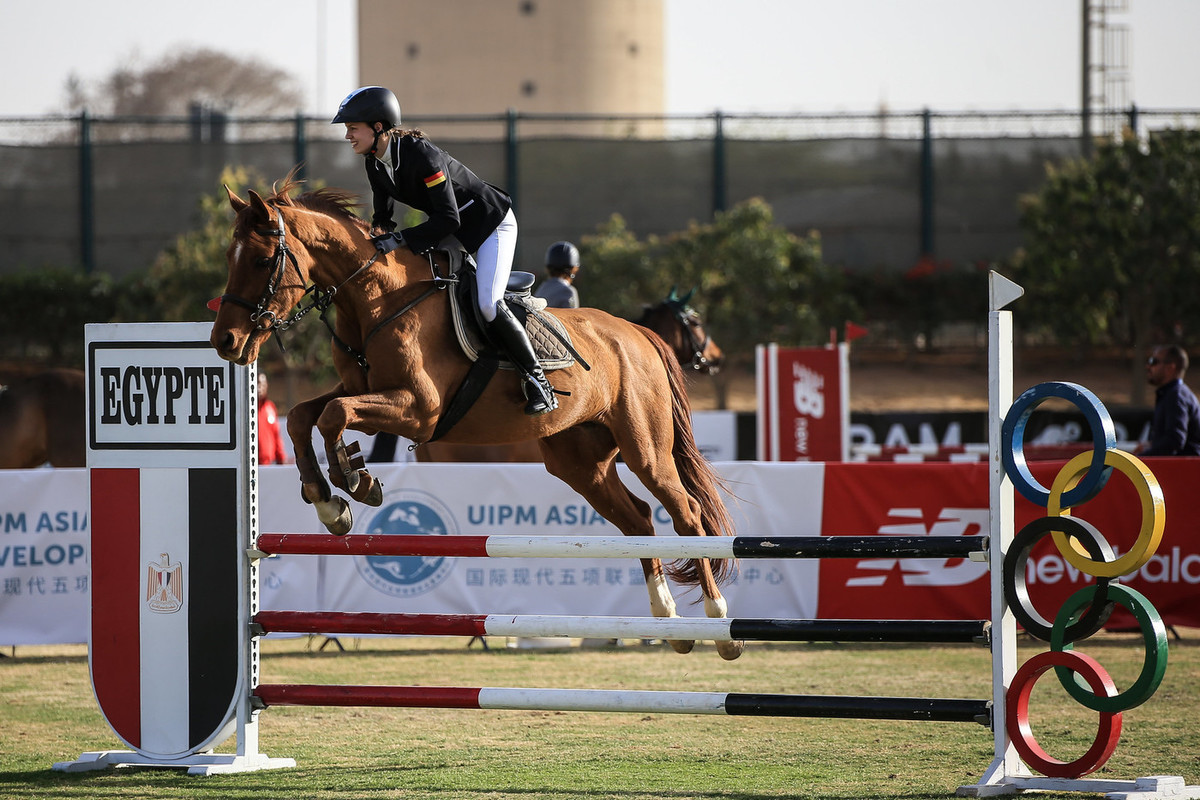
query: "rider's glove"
387, 242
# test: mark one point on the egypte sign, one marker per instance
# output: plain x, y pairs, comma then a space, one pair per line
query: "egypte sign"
170, 474
147, 394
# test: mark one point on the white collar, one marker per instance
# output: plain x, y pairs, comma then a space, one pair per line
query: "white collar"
386, 155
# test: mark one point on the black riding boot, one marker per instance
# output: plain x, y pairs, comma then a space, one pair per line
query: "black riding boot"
509, 334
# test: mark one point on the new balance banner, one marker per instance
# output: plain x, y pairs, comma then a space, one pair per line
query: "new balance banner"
164, 649
905, 500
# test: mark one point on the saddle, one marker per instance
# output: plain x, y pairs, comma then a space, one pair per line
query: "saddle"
549, 338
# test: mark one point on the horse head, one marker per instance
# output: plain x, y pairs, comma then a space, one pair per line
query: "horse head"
682, 328
279, 246
266, 277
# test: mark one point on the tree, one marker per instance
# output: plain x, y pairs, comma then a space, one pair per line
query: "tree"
1112, 251
754, 281
174, 83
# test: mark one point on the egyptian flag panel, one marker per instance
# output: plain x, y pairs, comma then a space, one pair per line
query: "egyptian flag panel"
164, 648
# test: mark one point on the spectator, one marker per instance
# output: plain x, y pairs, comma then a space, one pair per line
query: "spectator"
562, 265
270, 441
1175, 428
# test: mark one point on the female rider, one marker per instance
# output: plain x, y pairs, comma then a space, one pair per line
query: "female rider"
404, 165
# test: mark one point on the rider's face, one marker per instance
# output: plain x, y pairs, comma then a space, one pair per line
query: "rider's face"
361, 137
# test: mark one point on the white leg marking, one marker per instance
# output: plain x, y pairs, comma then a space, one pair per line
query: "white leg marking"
662, 604
716, 607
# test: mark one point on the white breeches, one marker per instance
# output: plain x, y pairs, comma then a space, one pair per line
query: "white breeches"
493, 263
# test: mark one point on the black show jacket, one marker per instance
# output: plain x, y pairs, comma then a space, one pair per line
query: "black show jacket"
428, 179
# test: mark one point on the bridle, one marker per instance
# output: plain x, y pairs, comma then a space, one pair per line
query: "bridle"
687, 318
267, 321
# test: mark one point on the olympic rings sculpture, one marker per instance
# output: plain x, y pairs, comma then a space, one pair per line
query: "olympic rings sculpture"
1085, 612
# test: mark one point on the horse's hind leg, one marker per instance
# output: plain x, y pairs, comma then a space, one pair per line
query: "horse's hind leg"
715, 606
651, 458
584, 459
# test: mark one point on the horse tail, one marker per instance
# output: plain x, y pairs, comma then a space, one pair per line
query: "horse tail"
699, 479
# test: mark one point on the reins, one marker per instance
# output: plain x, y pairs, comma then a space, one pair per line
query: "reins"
321, 300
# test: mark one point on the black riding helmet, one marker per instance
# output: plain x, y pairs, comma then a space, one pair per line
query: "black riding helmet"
562, 257
370, 104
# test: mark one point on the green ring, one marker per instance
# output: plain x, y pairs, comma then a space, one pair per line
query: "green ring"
1154, 634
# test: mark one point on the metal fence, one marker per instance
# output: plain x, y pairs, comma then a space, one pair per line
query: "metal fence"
107, 194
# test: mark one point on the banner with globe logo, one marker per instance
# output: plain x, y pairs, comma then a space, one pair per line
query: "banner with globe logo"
406, 511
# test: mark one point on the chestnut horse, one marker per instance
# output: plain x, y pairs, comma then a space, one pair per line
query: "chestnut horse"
399, 365
679, 325
42, 420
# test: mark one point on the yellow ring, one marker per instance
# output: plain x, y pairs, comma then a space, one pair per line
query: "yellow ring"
1153, 514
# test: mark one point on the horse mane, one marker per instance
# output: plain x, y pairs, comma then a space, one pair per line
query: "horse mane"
334, 202
327, 200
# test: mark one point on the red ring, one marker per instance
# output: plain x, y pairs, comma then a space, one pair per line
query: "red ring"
1016, 720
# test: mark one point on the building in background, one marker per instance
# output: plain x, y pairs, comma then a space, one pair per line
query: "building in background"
536, 56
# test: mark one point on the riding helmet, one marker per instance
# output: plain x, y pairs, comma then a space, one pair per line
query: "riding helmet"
562, 255
370, 104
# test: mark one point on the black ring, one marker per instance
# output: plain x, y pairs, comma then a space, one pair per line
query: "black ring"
1016, 593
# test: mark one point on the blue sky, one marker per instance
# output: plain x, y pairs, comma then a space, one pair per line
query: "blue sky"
748, 55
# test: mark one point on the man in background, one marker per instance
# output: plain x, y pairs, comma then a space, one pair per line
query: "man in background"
1175, 428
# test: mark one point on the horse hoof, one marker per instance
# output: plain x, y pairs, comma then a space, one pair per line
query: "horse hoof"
375, 497
342, 525
730, 650
681, 645
336, 516
370, 491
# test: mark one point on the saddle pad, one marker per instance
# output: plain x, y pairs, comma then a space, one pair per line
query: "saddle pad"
551, 352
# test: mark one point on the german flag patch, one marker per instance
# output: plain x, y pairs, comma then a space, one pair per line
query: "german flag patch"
434, 179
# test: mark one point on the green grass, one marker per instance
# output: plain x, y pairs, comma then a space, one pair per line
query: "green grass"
48, 714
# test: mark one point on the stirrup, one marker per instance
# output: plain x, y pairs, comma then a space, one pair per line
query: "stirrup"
539, 396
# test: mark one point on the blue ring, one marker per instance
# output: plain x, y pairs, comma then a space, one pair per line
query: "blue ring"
1012, 442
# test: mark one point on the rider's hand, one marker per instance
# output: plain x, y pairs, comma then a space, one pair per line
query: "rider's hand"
387, 242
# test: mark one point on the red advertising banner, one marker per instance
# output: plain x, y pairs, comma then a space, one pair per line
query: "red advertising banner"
803, 412
952, 499
904, 500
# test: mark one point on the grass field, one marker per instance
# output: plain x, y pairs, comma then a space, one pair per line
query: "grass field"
48, 714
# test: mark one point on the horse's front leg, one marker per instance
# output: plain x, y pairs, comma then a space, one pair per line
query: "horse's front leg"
370, 412
348, 470
333, 511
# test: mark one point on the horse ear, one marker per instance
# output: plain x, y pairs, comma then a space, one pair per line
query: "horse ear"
235, 201
260, 205
671, 294
684, 300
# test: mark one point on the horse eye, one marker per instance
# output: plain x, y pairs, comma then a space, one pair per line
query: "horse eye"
263, 261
